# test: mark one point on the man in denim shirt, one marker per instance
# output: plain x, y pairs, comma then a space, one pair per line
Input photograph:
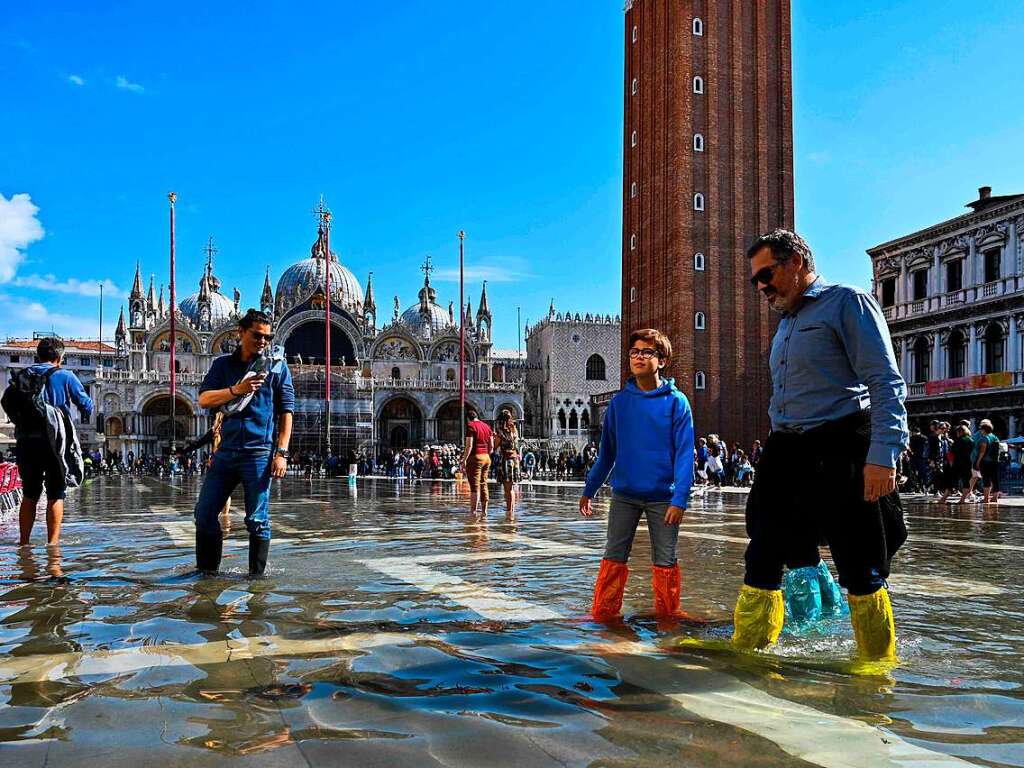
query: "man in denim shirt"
828, 467
256, 395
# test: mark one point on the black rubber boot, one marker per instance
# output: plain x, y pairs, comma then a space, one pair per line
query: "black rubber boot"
259, 550
209, 549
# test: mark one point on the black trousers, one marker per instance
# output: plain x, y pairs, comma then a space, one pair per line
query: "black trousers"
809, 489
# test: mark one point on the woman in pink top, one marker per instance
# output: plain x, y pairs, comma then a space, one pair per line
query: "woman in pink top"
476, 459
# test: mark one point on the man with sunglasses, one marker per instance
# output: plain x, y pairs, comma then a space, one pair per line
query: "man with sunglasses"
828, 468
255, 393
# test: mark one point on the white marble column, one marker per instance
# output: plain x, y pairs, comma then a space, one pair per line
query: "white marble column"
975, 275
937, 287
902, 292
972, 351
905, 367
938, 369
1012, 347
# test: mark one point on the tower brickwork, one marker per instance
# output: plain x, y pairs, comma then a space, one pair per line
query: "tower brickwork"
708, 165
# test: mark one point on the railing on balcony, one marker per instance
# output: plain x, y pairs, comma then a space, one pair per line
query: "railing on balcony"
954, 297
439, 385
917, 306
148, 377
889, 312
990, 289
966, 295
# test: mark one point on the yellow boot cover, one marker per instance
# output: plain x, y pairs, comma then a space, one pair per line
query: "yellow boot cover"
757, 620
873, 625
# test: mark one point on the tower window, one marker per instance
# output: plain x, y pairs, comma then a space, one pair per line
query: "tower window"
699, 380
698, 321
633, 139
635, 32
698, 262
698, 30
698, 142
698, 84
632, 294
632, 189
636, 85
632, 242
698, 202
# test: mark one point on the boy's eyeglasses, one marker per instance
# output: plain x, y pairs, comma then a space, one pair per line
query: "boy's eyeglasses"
267, 337
646, 354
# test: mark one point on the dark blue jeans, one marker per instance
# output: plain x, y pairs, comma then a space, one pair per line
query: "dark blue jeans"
251, 469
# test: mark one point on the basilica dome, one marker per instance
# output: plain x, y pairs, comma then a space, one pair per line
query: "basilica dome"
303, 277
427, 322
222, 308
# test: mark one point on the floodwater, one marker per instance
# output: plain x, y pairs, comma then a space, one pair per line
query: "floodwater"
392, 629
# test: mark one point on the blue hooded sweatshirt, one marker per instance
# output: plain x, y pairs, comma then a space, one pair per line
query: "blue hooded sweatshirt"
648, 438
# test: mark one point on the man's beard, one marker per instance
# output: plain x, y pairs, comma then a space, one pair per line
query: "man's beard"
773, 300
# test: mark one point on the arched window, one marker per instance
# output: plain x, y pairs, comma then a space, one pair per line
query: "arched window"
922, 360
956, 350
561, 419
449, 375
632, 242
698, 202
634, 33
632, 294
633, 139
698, 262
698, 142
698, 321
698, 27
574, 421
994, 348
636, 86
595, 368
699, 380
395, 373
632, 189
698, 84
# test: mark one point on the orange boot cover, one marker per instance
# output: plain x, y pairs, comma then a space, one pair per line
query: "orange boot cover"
666, 581
611, 583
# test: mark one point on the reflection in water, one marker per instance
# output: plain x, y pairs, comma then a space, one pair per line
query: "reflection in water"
469, 683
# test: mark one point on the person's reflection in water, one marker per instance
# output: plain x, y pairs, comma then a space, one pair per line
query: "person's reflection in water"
30, 567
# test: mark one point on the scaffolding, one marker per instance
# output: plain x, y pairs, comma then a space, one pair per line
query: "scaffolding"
351, 422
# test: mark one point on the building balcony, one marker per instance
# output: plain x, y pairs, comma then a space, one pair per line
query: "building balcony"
977, 384
437, 385
147, 377
939, 302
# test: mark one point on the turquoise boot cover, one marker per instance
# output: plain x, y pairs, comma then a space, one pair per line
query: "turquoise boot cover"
803, 594
832, 602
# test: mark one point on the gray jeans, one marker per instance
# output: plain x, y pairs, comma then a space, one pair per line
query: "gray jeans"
623, 518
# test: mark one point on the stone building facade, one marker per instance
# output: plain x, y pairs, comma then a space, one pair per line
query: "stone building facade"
953, 295
394, 383
707, 166
569, 358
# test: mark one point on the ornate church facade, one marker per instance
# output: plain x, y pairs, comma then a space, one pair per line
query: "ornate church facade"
393, 384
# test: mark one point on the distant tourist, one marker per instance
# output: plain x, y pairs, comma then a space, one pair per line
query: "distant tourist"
255, 392
38, 401
647, 436
506, 438
476, 459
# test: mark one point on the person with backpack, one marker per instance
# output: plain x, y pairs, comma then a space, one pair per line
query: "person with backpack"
26, 401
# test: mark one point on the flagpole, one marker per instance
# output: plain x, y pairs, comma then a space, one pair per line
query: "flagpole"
327, 333
174, 337
462, 336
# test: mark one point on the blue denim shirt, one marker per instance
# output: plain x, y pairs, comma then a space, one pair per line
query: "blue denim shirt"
833, 357
253, 427
62, 389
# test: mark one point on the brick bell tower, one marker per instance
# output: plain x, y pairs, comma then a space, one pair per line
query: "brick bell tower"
707, 166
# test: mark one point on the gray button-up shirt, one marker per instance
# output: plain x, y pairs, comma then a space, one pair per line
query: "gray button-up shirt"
833, 357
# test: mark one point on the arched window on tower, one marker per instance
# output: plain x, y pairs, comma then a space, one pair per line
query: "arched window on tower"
699, 321
698, 27
396, 373
633, 139
632, 242
698, 84
633, 189
636, 85
698, 202
698, 262
698, 142
595, 368
699, 380
635, 33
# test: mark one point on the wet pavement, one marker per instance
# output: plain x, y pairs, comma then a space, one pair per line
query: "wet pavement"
392, 629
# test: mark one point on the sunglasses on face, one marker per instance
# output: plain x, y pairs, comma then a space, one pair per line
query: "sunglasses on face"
267, 337
645, 354
764, 275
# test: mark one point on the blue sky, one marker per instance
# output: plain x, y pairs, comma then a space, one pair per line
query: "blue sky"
417, 119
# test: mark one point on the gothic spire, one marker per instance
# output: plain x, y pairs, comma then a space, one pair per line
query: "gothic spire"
469, 314
121, 330
267, 297
151, 297
137, 285
483, 309
369, 302
160, 302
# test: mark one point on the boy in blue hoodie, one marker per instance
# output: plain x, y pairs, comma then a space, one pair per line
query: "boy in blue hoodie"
647, 436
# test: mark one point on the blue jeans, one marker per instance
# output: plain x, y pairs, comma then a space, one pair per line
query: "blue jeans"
624, 516
251, 469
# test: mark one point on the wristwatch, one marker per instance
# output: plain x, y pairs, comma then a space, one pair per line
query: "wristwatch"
283, 453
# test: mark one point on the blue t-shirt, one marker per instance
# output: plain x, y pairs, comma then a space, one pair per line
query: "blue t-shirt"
253, 427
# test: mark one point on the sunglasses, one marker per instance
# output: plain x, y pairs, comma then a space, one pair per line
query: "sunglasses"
267, 337
764, 275
646, 354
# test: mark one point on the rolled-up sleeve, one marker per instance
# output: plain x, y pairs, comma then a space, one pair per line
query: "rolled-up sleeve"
869, 348
284, 392
214, 378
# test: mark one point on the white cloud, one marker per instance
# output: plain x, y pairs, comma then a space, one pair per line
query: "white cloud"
819, 158
491, 273
22, 318
76, 80
127, 85
18, 228
72, 285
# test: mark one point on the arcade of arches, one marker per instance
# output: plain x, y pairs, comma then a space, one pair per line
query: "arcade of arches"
306, 343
